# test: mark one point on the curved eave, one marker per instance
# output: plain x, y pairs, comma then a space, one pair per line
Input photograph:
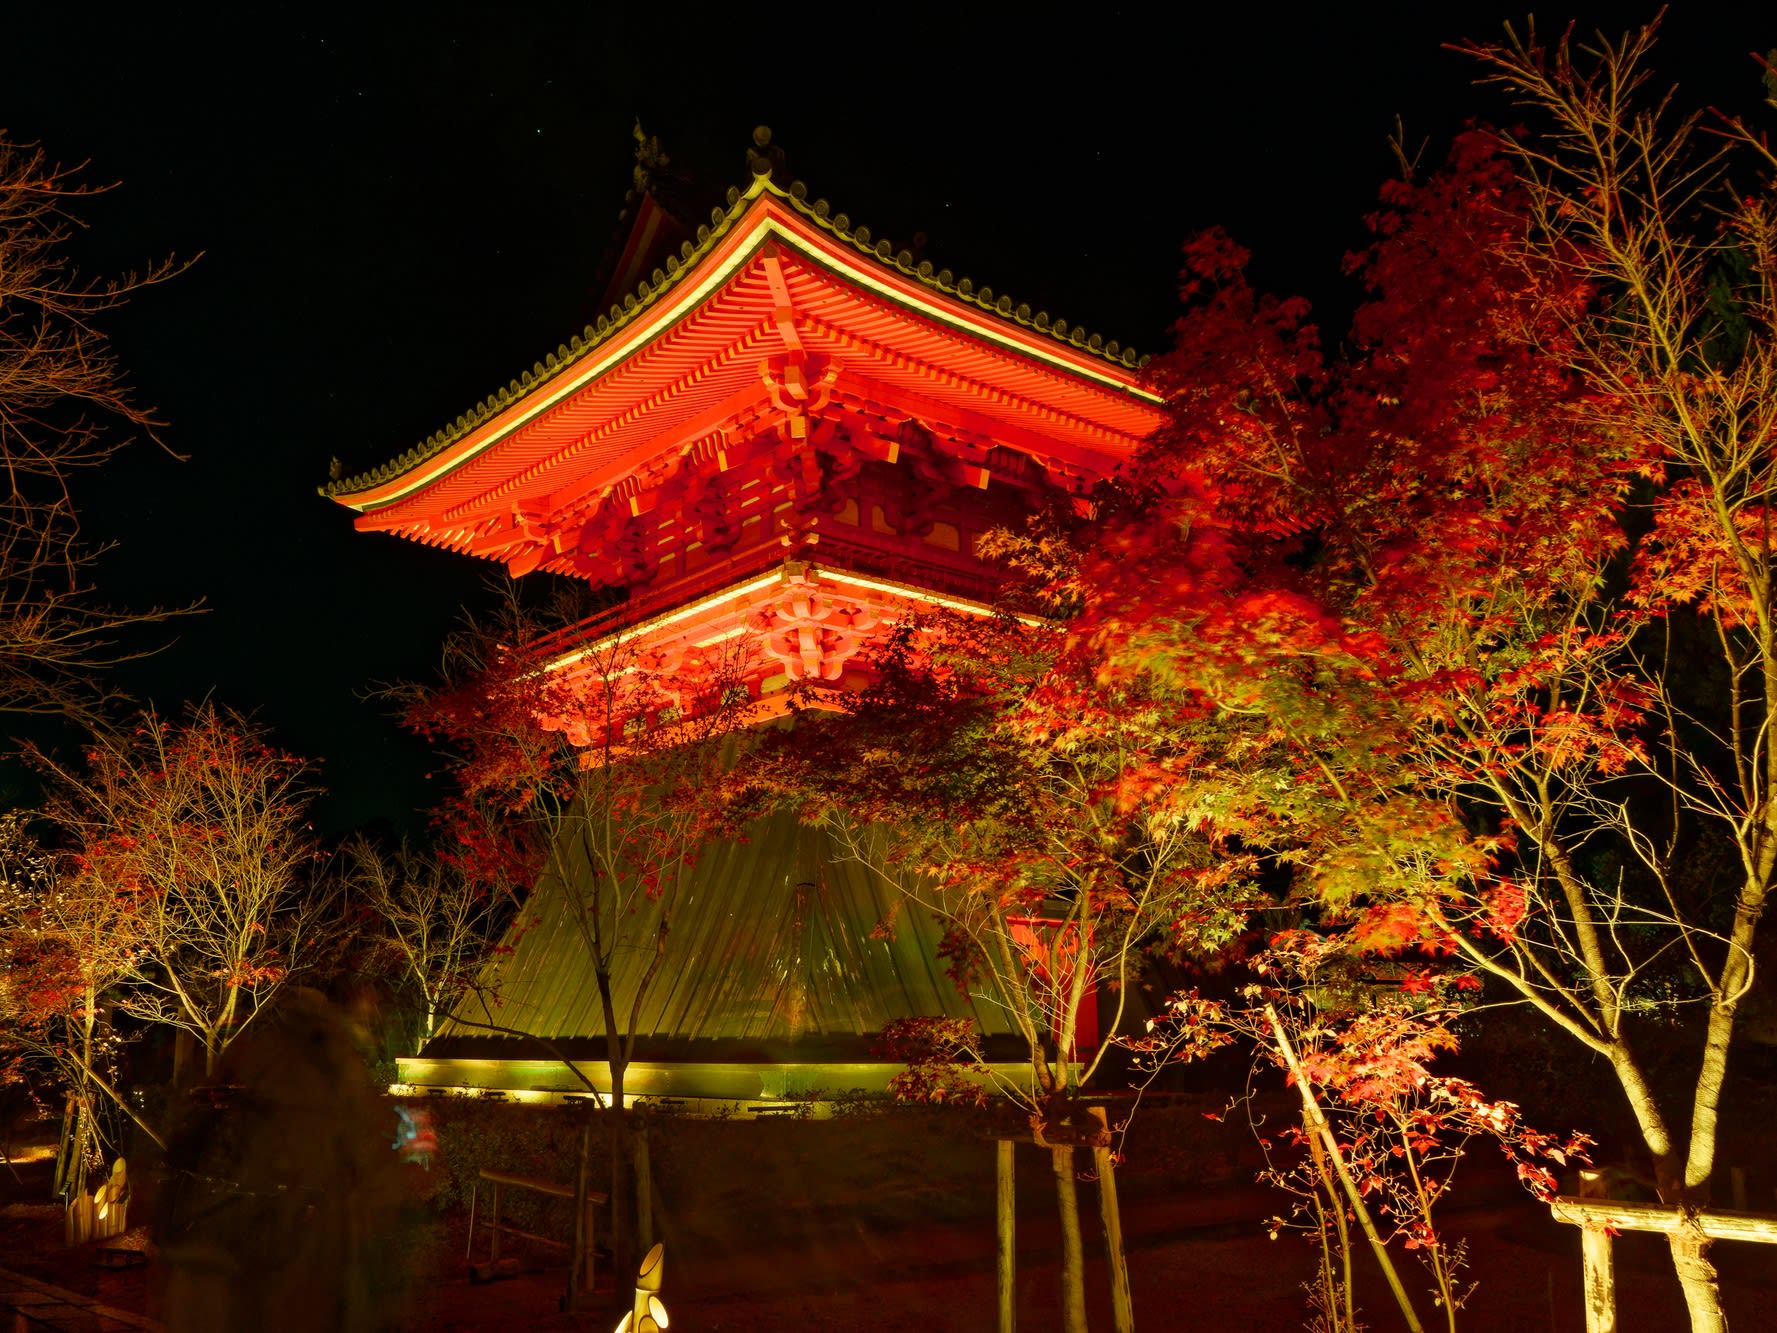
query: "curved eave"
766, 213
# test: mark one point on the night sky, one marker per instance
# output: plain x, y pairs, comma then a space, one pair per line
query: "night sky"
398, 213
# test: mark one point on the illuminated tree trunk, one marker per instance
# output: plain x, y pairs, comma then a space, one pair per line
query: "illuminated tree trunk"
212, 1052
1336, 1292
83, 1105
1697, 1278
1690, 1254
617, 1050
1683, 1164
65, 1145
1691, 1250
1073, 1254
1122, 1306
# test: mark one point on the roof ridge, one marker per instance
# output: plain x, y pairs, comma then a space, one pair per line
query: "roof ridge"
667, 276
945, 281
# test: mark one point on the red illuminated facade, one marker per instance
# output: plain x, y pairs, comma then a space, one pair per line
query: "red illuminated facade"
790, 428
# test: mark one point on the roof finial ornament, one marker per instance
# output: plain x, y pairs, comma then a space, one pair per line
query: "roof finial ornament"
650, 157
765, 158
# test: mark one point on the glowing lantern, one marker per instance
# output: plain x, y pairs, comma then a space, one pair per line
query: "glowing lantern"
648, 1314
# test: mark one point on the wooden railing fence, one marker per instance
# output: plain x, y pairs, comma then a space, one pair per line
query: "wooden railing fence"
1599, 1219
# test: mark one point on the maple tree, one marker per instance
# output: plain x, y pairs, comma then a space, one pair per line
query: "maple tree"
66, 943
587, 770
63, 399
199, 832
1486, 603
1044, 818
1380, 1134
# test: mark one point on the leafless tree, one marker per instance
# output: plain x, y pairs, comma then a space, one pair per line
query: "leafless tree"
436, 921
64, 408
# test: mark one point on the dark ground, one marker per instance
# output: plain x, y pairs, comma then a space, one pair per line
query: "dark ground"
875, 1225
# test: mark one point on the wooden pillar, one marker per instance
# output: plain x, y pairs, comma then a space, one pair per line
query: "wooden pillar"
644, 1186
1601, 1292
1596, 1262
1007, 1218
580, 1266
493, 1256
65, 1147
1122, 1307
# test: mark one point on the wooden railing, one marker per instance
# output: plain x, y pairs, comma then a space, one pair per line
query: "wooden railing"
1599, 1219
581, 1271
959, 576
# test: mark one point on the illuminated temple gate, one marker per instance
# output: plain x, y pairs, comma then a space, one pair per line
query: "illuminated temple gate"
789, 428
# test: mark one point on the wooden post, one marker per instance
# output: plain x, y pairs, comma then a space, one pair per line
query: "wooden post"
1008, 1220
1122, 1307
644, 1186
493, 1255
64, 1145
1601, 1291
1663, 1219
580, 1266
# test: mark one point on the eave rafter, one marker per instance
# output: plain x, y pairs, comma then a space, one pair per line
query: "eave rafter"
743, 348
783, 305
863, 416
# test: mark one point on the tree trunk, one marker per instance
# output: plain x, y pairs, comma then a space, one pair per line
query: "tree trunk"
1697, 1278
1073, 1256
1690, 1253
580, 1269
184, 1058
1006, 1217
1336, 1289
617, 1052
622, 1255
83, 1104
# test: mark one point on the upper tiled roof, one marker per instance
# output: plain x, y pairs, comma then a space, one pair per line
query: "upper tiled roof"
675, 269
